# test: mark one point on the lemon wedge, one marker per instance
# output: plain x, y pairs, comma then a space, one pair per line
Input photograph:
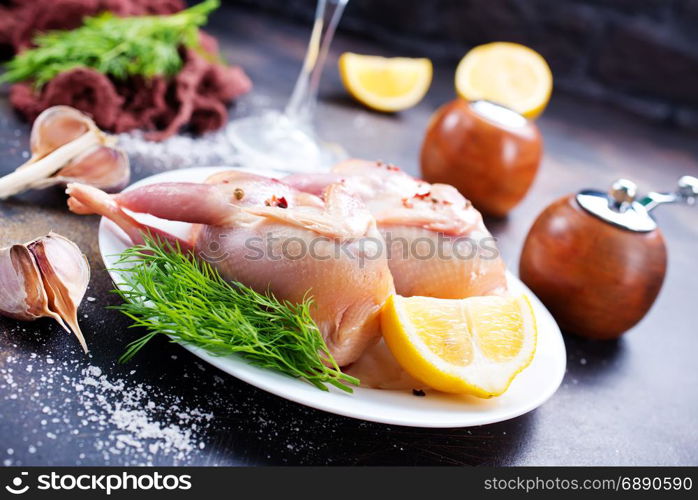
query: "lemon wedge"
506, 73
385, 84
465, 346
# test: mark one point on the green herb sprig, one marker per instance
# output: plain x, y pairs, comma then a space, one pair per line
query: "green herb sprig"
116, 46
168, 292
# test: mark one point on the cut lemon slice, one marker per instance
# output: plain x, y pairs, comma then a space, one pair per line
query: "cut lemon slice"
466, 346
506, 73
385, 84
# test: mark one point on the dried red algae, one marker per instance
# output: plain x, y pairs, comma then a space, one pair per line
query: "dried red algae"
197, 97
85, 89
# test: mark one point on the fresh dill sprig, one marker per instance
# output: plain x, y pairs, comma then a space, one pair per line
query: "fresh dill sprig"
116, 46
168, 292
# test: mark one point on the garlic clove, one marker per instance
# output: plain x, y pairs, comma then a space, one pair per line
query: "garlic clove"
55, 127
65, 273
50, 150
22, 295
13, 293
101, 167
47, 277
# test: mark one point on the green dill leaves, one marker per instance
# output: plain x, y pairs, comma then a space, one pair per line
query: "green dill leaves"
167, 292
116, 46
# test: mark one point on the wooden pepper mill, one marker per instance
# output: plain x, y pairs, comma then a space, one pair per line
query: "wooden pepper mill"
597, 260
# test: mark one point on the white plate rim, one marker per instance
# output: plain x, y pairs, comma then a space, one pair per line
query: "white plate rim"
362, 403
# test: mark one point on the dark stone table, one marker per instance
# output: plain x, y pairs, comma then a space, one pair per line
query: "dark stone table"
633, 401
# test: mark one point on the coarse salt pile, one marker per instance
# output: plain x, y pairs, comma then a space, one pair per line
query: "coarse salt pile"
178, 151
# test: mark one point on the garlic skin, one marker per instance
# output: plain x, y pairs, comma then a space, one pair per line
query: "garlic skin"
47, 277
62, 136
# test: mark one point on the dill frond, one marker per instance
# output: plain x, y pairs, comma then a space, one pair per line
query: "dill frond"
168, 292
116, 46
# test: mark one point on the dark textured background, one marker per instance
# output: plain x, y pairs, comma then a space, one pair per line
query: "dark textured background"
626, 402
639, 55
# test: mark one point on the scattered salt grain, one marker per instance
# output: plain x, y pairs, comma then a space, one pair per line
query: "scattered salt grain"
134, 421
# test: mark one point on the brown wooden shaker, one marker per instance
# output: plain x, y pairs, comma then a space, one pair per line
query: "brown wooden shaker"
490, 153
597, 260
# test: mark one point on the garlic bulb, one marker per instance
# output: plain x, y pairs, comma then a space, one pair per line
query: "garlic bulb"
64, 138
47, 277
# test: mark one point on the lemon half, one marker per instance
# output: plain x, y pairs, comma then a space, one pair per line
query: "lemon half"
466, 346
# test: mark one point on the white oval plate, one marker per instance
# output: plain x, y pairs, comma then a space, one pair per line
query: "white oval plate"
530, 389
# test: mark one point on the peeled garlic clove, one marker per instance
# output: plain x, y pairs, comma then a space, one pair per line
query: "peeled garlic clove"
22, 295
101, 167
65, 273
